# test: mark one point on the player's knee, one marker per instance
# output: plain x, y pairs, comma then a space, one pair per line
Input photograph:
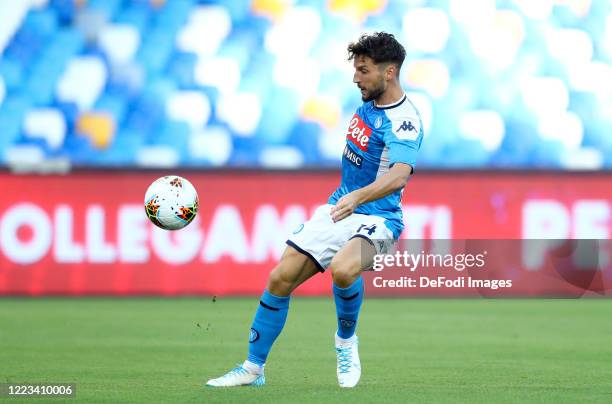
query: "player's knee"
283, 278
279, 283
344, 273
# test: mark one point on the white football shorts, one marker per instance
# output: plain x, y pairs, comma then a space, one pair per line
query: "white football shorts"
320, 238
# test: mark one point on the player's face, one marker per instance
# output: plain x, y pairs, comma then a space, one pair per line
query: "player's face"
369, 78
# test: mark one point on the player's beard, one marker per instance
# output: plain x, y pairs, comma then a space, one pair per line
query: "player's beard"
374, 93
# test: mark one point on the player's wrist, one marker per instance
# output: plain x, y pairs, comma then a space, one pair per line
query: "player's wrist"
360, 197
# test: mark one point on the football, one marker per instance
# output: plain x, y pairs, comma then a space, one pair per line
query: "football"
171, 202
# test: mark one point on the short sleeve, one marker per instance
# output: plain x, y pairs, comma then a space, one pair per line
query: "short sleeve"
403, 139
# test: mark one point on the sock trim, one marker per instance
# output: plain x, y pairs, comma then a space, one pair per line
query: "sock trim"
253, 359
338, 290
266, 306
349, 297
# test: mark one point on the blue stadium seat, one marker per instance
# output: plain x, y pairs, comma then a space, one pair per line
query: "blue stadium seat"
181, 68
173, 15
174, 134
70, 111
156, 50
12, 72
148, 111
548, 154
136, 15
305, 136
239, 48
68, 41
280, 112
136, 93
79, 149
239, 10
108, 7
25, 46
43, 22
40, 88
11, 128
608, 158
66, 9
246, 152
16, 105
122, 150
114, 104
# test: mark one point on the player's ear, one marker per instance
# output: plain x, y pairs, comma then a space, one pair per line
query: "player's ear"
390, 71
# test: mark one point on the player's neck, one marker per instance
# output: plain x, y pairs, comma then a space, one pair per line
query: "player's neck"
391, 96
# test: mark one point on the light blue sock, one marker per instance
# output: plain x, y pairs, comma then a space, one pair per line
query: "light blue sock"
267, 325
348, 303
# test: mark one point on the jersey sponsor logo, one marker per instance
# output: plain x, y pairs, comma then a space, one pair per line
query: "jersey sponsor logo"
407, 131
406, 127
359, 133
352, 157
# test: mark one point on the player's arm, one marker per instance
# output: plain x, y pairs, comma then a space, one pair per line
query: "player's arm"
403, 142
392, 181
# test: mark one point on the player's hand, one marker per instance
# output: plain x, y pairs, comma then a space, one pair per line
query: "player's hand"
345, 207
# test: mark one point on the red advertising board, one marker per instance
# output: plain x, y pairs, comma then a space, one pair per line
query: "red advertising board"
87, 233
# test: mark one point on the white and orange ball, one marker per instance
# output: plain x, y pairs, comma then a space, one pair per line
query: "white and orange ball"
171, 202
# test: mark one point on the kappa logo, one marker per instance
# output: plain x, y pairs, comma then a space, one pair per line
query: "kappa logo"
359, 133
253, 335
406, 127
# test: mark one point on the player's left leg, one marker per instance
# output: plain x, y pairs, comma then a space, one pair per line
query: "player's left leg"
346, 267
293, 269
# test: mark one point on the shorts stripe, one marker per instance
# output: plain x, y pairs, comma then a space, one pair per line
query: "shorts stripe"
363, 237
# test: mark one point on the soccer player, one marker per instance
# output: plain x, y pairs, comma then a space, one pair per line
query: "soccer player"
363, 217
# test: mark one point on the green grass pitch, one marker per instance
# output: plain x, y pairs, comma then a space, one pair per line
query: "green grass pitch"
412, 350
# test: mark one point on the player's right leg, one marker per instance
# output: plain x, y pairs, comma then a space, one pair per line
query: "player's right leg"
293, 269
371, 237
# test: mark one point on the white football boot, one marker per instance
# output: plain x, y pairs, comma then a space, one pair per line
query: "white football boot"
348, 366
239, 376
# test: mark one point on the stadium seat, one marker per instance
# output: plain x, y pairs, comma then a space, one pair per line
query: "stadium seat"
123, 149
47, 124
268, 77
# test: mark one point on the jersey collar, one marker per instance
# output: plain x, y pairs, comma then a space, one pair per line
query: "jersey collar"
389, 106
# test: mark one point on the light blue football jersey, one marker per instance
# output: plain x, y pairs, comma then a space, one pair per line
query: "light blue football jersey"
377, 138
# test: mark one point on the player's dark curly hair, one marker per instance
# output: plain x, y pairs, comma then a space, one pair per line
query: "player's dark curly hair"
381, 47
